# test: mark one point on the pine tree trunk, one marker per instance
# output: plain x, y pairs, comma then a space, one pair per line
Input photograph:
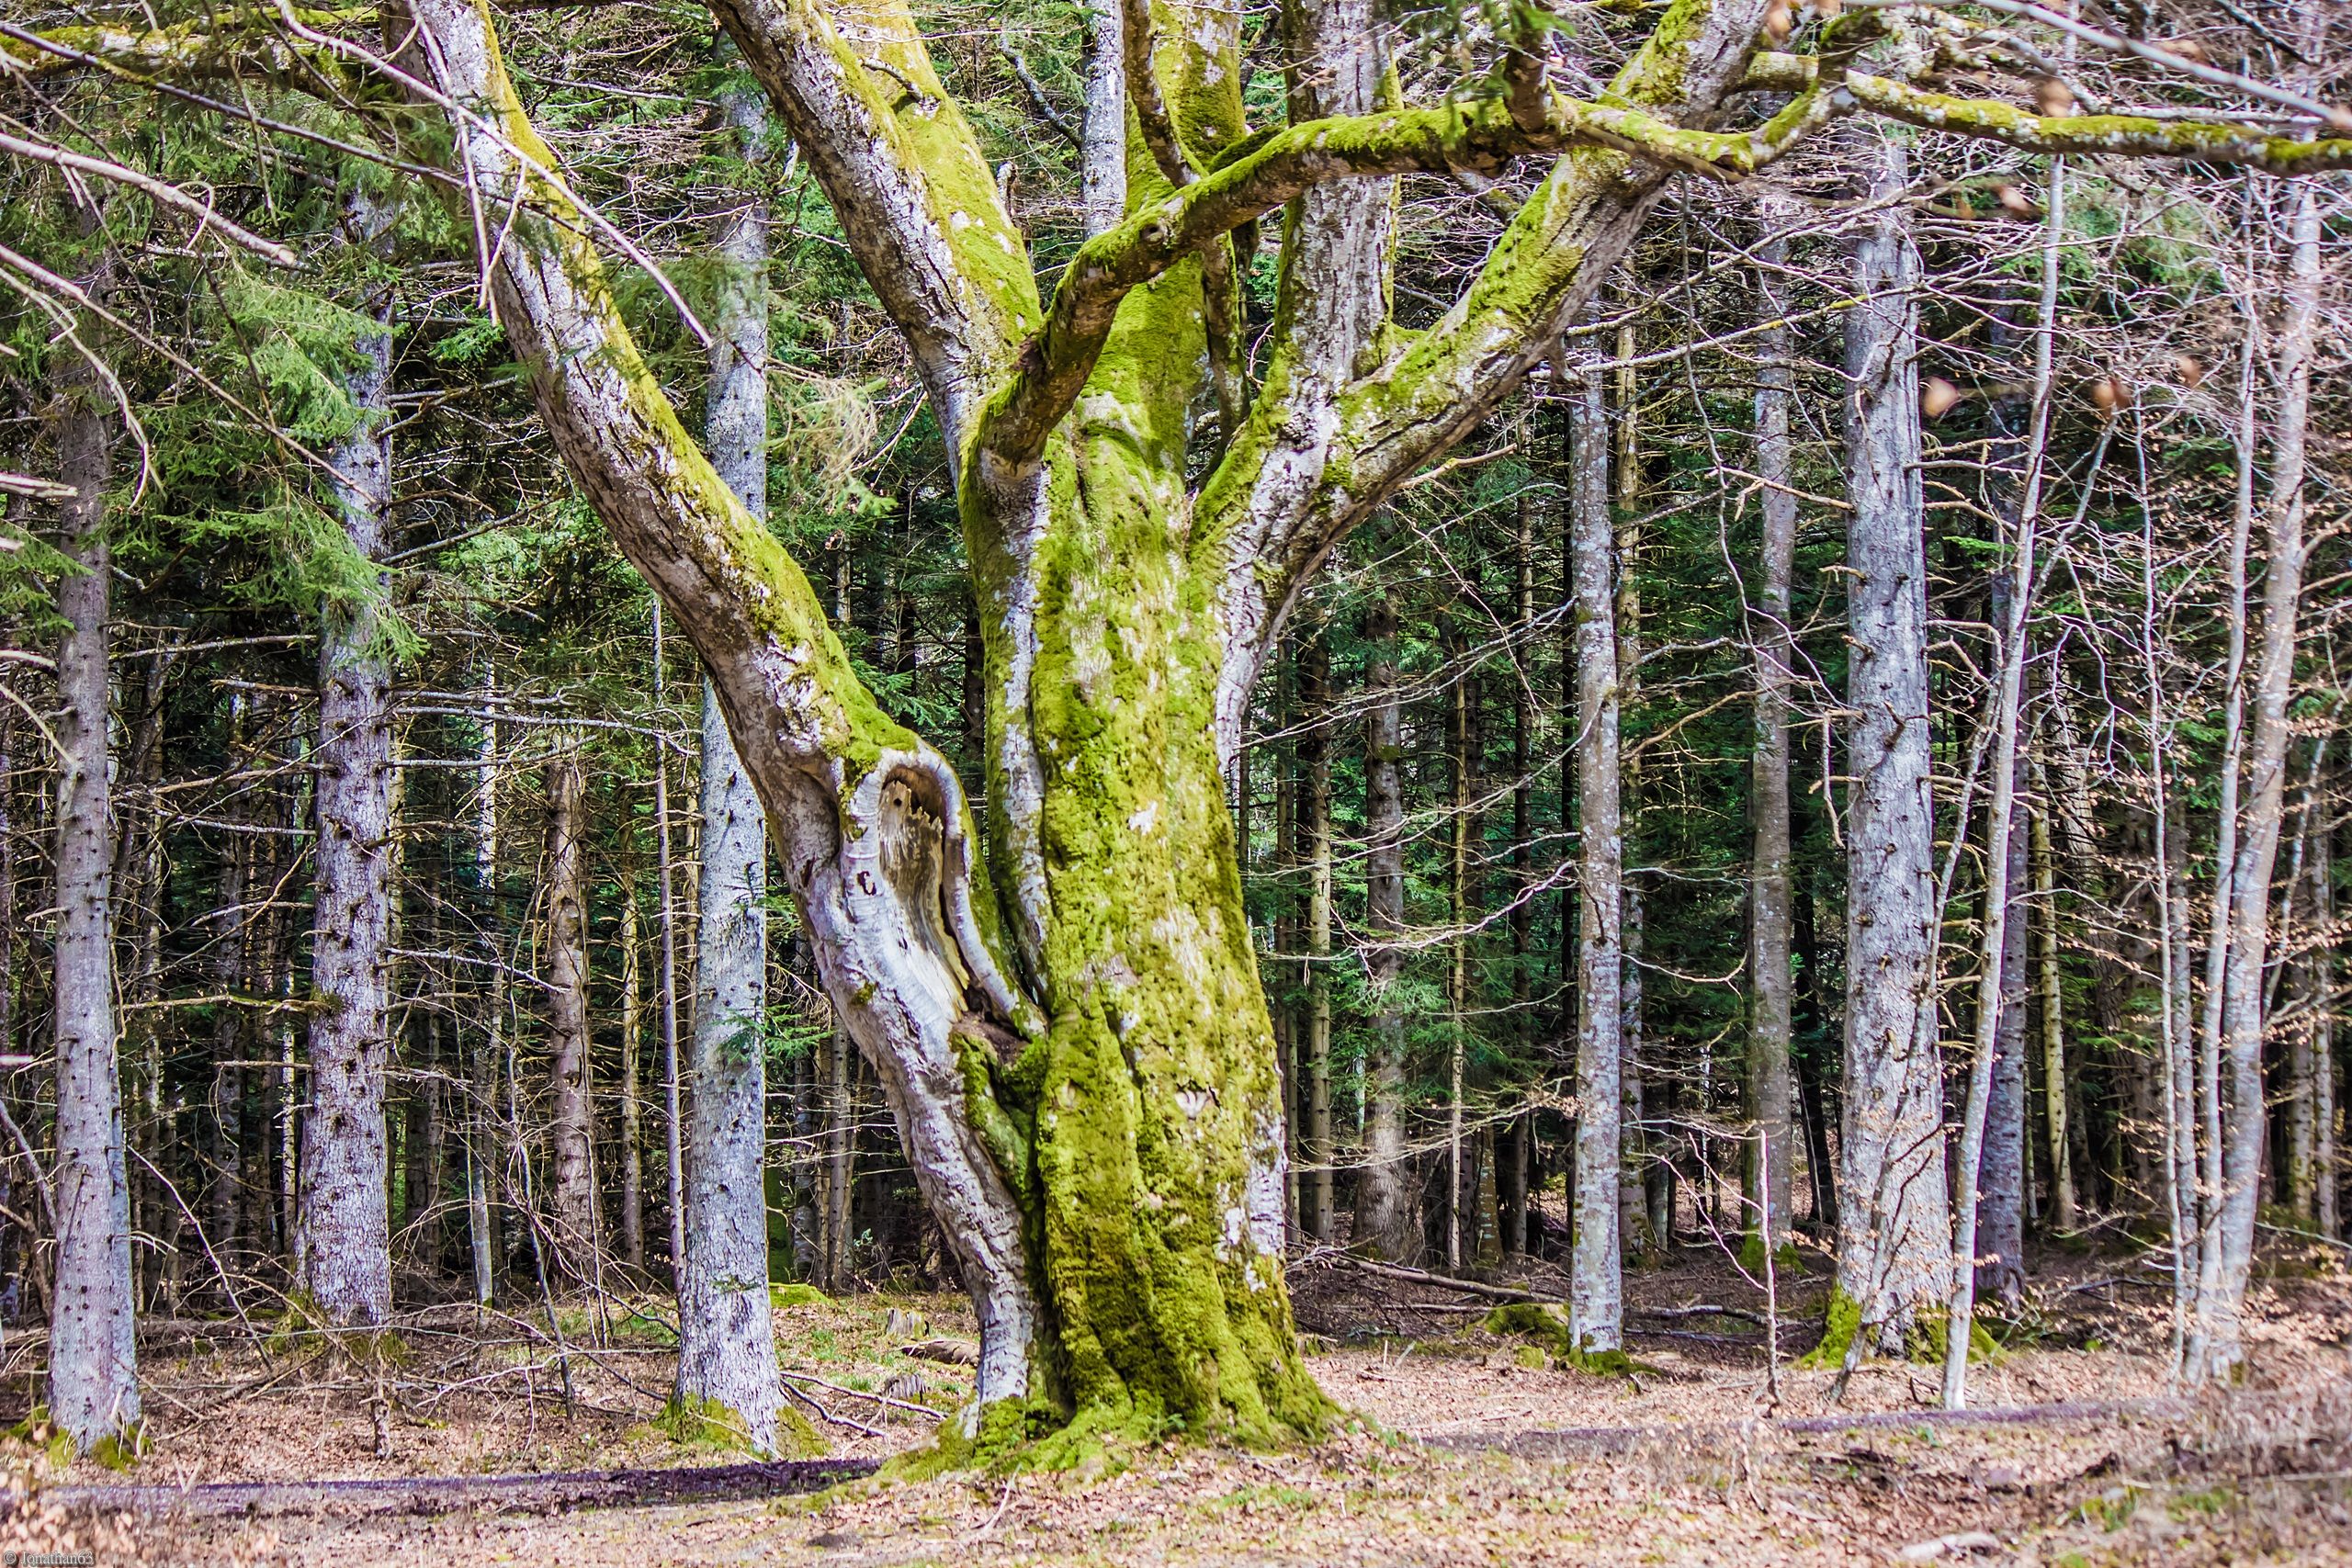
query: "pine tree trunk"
572, 1196
726, 1336
2325, 1216
2061, 1215
1316, 1218
1384, 1214
483, 1144
1768, 890
1596, 1308
2000, 1247
1518, 1133
632, 1084
1895, 1236
342, 1245
93, 1357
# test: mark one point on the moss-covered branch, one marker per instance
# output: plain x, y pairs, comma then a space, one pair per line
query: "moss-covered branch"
896, 157
2121, 135
1478, 135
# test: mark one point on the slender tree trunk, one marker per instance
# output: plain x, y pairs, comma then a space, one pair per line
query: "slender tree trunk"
2000, 1247
342, 1244
2061, 1215
1769, 891
1596, 1311
632, 1099
1512, 1159
2257, 849
726, 1336
572, 1194
673, 1125
1384, 1216
1894, 1235
482, 1141
1457, 973
2326, 1215
93, 1357
1644, 1163
1316, 1218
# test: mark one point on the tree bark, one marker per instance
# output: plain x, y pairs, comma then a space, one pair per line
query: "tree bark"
1384, 1216
92, 1358
2000, 1247
1596, 1315
1069, 1029
2265, 778
632, 1084
2061, 1215
343, 1244
726, 1335
1316, 1219
572, 1198
1769, 890
483, 1144
1895, 1235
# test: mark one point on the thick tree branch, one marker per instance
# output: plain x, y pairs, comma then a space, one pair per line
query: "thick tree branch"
891, 148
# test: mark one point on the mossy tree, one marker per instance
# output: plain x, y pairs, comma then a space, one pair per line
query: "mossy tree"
1060, 997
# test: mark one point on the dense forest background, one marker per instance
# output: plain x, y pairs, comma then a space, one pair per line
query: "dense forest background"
2140, 365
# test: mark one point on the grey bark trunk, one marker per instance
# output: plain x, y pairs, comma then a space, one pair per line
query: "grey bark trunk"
2266, 780
1768, 894
343, 1244
93, 1357
1595, 1300
1383, 1216
726, 1336
1894, 1235
1102, 152
572, 1194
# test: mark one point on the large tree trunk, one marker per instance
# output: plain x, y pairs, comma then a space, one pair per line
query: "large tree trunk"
342, 1245
1768, 914
92, 1358
572, 1210
2265, 779
1070, 1029
1595, 1302
1895, 1236
1384, 1213
726, 1336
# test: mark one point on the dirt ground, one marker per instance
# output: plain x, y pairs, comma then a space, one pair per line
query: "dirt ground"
1462, 1446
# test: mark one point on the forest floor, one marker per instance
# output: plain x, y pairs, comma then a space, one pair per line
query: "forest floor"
1457, 1449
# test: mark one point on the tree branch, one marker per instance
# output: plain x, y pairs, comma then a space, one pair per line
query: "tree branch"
1479, 135
2124, 135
